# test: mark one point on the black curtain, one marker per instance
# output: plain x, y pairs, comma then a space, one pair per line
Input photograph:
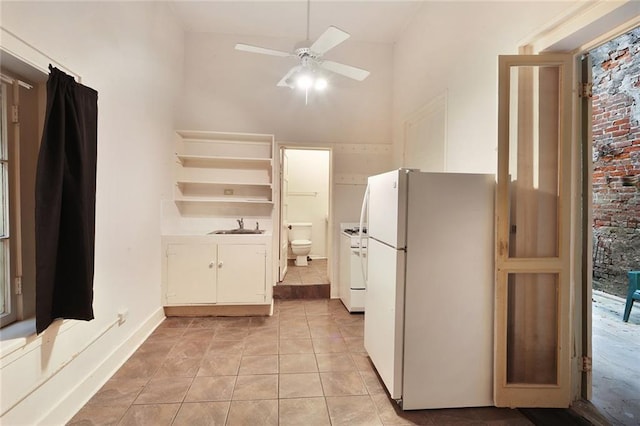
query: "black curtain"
65, 202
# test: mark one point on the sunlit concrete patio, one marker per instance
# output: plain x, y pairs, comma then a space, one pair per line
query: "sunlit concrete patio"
616, 360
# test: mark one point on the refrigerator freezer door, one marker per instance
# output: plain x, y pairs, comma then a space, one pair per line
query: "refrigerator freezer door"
388, 207
384, 320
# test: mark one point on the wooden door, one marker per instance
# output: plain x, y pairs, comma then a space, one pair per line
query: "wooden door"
532, 342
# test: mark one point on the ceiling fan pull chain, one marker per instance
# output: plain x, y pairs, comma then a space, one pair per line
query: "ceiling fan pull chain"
308, 14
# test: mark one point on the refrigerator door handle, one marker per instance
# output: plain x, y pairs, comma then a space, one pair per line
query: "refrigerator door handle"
365, 208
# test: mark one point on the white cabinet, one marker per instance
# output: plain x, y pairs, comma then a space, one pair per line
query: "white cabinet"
191, 274
216, 170
222, 270
241, 273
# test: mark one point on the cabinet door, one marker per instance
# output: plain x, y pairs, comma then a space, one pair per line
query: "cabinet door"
241, 273
191, 274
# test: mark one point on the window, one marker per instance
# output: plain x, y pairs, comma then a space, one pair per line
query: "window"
19, 146
6, 312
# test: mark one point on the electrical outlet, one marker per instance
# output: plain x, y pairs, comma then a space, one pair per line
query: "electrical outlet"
123, 314
228, 191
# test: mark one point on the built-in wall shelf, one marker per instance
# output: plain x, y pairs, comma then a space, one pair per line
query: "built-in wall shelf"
220, 178
218, 169
218, 201
229, 162
187, 183
215, 207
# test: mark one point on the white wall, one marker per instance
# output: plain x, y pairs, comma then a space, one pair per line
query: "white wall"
308, 195
454, 46
131, 53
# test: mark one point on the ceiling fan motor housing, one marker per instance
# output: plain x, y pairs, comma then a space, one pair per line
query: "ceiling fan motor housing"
303, 52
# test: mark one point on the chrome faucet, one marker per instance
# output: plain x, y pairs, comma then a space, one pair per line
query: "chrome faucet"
241, 223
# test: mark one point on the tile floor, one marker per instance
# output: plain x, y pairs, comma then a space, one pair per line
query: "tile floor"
306, 365
314, 273
616, 345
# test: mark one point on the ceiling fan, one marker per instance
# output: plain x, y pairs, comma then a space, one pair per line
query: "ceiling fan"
307, 73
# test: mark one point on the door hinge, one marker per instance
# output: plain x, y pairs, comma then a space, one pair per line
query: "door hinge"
15, 114
18, 281
586, 90
586, 364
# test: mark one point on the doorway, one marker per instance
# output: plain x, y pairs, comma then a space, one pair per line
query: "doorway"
575, 36
614, 174
305, 194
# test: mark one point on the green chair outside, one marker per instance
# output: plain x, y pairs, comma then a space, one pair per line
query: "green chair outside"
632, 294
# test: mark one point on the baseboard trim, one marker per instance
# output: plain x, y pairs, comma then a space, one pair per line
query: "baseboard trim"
77, 397
218, 311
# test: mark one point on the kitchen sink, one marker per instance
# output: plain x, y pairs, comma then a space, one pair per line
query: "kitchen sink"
237, 231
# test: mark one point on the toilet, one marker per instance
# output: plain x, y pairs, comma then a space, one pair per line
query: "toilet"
300, 241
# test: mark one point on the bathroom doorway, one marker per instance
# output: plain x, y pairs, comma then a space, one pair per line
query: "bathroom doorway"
305, 197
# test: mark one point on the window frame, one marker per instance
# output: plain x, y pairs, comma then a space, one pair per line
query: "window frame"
8, 312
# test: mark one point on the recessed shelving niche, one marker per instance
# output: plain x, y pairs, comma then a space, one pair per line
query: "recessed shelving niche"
217, 171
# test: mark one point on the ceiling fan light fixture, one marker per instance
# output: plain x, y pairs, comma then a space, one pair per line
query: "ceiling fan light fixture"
320, 84
304, 81
310, 73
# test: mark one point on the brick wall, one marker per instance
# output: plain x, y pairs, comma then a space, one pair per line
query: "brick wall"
616, 157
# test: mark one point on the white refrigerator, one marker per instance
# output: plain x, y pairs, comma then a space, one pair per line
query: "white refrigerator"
428, 325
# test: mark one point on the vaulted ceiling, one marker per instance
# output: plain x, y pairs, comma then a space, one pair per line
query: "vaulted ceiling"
367, 21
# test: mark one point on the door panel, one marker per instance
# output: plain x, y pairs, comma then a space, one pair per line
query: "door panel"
532, 342
191, 274
532, 318
533, 166
387, 208
383, 332
241, 273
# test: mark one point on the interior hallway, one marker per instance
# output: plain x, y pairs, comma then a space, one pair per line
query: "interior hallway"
305, 365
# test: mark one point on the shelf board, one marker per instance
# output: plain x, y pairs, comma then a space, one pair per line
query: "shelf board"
207, 136
201, 183
204, 160
214, 201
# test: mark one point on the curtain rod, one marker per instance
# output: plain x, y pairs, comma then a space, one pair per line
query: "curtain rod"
10, 80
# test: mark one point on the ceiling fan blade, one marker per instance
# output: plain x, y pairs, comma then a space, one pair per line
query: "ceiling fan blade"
346, 70
262, 50
286, 81
329, 39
